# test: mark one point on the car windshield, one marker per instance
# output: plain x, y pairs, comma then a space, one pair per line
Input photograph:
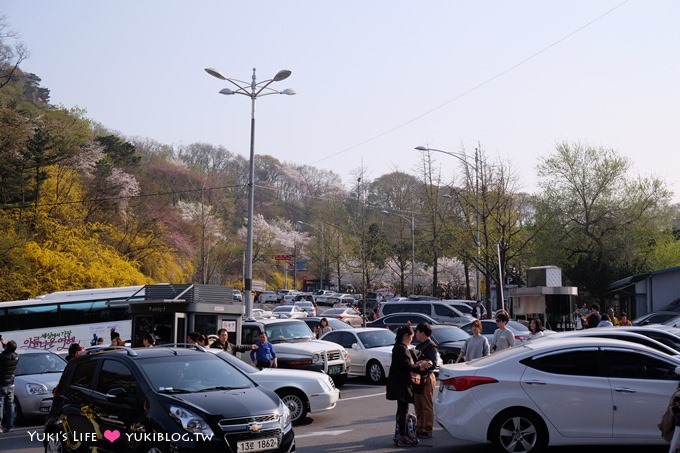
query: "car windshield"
240, 364
288, 331
191, 374
39, 363
377, 338
449, 334
282, 309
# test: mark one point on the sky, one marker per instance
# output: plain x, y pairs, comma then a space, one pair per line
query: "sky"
374, 79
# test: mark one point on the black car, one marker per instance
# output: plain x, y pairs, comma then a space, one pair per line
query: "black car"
396, 320
163, 399
449, 341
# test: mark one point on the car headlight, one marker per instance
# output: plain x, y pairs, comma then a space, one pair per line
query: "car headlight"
316, 358
36, 389
190, 421
286, 421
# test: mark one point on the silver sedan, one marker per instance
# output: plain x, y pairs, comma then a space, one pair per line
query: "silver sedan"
38, 372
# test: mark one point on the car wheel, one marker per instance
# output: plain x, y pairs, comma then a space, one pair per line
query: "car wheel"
55, 442
296, 403
18, 414
518, 431
339, 380
375, 372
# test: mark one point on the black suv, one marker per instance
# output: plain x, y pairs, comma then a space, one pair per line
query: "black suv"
163, 399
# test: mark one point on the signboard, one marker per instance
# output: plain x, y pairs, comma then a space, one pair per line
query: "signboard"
283, 257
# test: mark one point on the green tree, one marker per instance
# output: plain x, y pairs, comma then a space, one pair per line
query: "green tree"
597, 222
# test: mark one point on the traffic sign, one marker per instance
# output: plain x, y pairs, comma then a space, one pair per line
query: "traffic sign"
283, 257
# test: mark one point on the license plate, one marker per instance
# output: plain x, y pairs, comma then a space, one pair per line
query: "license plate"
247, 446
335, 369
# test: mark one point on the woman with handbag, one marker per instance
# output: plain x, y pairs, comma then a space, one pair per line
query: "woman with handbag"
399, 384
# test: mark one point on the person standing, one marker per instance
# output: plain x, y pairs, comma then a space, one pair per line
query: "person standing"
399, 382
74, 350
476, 345
8, 366
479, 311
223, 343
422, 399
623, 320
594, 316
263, 355
502, 337
536, 328
324, 328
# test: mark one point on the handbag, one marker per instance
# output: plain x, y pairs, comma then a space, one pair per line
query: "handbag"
414, 378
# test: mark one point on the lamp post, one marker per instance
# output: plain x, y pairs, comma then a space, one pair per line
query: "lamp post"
463, 158
413, 245
253, 90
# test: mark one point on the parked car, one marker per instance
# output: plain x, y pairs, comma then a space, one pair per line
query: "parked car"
670, 336
347, 315
302, 391
393, 322
237, 295
449, 341
519, 330
297, 348
267, 297
335, 324
321, 297
37, 374
464, 306
657, 317
617, 333
435, 309
341, 300
307, 306
258, 313
193, 399
288, 311
568, 391
370, 350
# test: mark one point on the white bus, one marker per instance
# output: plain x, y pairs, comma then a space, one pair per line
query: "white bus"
55, 321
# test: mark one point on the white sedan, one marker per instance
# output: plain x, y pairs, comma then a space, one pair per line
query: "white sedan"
302, 391
288, 311
571, 391
370, 350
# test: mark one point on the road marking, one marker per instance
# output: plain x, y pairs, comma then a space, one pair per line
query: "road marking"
324, 433
360, 397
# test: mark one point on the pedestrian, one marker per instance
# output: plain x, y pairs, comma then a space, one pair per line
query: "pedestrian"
594, 316
100, 341
424, 393
223, 343
263, 354
476, 345
148, 340
115, 339
74, 350
623, 320
612, 316
399, 387
324, 327
604, 321
536, 328
479, 311
578, 319
8, 366
502, 337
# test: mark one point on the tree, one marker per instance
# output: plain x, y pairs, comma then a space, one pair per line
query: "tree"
599, 223
12, 53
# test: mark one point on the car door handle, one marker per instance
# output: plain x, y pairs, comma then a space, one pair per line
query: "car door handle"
534, 382
624, 390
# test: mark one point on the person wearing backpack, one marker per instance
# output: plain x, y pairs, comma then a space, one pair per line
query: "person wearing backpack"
399, 387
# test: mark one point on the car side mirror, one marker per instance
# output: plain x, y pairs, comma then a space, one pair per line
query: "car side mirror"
355, 346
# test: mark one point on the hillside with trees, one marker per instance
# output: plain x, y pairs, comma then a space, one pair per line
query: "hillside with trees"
84, 207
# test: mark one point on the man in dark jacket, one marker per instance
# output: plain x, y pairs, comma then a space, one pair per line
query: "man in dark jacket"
8, 366
422, 399
223, 343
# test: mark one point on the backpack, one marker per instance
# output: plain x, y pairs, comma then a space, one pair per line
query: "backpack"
410, 429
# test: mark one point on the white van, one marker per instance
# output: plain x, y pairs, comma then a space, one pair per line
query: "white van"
437, 310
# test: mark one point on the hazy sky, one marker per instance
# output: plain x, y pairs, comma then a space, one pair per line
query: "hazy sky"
374, 78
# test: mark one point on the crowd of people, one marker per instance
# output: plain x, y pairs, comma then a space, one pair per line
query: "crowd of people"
585, 318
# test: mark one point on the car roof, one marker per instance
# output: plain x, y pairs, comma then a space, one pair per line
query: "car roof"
272, 321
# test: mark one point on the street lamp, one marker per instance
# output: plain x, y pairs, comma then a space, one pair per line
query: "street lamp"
253, 91
413, 246
463, 158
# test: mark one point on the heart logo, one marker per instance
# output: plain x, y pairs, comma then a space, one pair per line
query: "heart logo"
111, 436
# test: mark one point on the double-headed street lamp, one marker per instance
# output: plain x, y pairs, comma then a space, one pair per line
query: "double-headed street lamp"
463, 158
413, 246
253, 90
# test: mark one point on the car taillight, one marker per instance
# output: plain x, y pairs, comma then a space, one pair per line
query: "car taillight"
461, 383
341, 317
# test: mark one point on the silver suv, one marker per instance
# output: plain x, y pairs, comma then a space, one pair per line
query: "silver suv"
297, 348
